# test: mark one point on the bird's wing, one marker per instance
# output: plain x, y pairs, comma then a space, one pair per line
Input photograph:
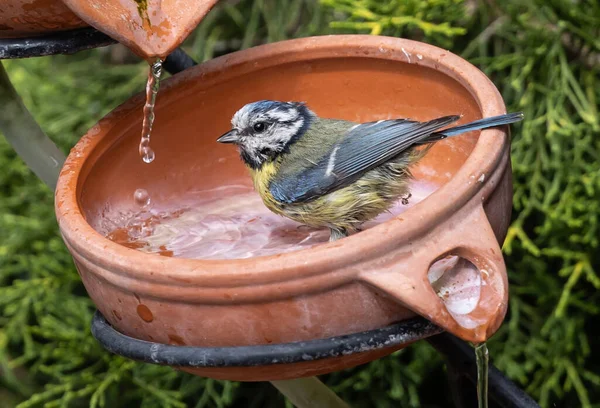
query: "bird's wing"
361, 149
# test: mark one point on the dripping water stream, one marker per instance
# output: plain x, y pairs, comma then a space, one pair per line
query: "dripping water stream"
482, 358
152, 86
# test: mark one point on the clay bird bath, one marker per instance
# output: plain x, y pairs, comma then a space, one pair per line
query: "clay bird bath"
370, 280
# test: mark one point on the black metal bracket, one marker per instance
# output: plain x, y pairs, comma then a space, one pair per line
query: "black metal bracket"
253, 356
65, 42
178, 61
70, 42
459, 356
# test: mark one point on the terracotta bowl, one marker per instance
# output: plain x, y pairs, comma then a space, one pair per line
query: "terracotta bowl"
366, 281
29, 18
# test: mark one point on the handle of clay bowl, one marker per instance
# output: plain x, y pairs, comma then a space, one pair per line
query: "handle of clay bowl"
467, 294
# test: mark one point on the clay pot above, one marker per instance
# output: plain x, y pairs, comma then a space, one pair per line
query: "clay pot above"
150, 28
29, 18
366, 281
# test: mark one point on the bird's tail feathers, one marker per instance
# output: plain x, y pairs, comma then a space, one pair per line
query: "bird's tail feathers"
475, 125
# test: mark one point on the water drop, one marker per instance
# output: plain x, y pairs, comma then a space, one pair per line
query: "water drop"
141, 197
148, 155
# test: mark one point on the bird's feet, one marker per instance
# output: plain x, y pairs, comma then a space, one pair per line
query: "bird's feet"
337, 233
405, 198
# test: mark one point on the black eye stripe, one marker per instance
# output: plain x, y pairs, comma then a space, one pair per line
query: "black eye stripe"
264, 125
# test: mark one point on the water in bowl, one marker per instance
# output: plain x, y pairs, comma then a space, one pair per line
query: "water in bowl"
225, 223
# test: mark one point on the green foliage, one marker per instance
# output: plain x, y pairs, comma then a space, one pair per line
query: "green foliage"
537, 56
544, 56
436, 20
231, 27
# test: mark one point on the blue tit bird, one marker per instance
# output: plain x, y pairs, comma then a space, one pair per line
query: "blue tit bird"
329, 172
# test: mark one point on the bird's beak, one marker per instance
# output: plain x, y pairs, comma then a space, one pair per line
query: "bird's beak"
229, 137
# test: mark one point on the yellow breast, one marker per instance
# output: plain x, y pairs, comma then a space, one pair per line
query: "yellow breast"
261, 179
345, 208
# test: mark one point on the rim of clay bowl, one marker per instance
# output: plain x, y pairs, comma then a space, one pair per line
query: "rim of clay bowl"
342, 256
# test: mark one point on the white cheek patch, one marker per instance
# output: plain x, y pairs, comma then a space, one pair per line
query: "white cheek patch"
254, 144
253, 148
281, 134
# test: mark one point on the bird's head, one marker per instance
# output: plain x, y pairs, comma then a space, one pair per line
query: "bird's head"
265, 129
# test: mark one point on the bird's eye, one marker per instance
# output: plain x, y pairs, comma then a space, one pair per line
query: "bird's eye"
259, 127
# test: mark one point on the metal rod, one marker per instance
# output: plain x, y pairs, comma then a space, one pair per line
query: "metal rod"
73, 41
66, 42
25, 135
403, 332
309, 392
178, 61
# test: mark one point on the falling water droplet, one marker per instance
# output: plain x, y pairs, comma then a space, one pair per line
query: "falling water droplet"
151, 90
141, 197
148, 155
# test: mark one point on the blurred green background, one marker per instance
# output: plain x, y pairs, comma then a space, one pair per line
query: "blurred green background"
544, 56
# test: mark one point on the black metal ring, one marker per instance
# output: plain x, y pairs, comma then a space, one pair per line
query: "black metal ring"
251, 356
65, 42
